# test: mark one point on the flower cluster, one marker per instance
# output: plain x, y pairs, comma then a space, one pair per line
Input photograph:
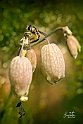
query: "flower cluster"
23, 66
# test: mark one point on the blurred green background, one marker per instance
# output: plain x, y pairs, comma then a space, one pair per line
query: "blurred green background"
47, 103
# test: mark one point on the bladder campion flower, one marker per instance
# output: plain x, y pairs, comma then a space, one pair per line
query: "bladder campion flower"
21, 76
73, 45
31, 55
52, 62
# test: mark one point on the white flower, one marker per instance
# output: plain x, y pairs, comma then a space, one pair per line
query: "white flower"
53, 64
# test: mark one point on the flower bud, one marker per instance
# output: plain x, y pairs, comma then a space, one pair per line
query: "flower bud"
31, 55
52, 62
66, 30
21, 76
73, 45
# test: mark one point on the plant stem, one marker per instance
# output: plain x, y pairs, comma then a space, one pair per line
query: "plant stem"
20, 54
8, 102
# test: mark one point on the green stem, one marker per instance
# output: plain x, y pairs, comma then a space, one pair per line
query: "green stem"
8, 102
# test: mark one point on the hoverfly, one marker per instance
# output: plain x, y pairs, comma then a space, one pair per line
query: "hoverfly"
32, 34
35, 33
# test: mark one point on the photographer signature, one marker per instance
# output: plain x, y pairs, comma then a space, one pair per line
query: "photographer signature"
69, 114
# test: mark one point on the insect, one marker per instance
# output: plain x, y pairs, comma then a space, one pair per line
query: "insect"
33, 33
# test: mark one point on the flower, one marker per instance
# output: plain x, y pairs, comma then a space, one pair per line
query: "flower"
53, 63
73, 45
31, 55
20, 73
